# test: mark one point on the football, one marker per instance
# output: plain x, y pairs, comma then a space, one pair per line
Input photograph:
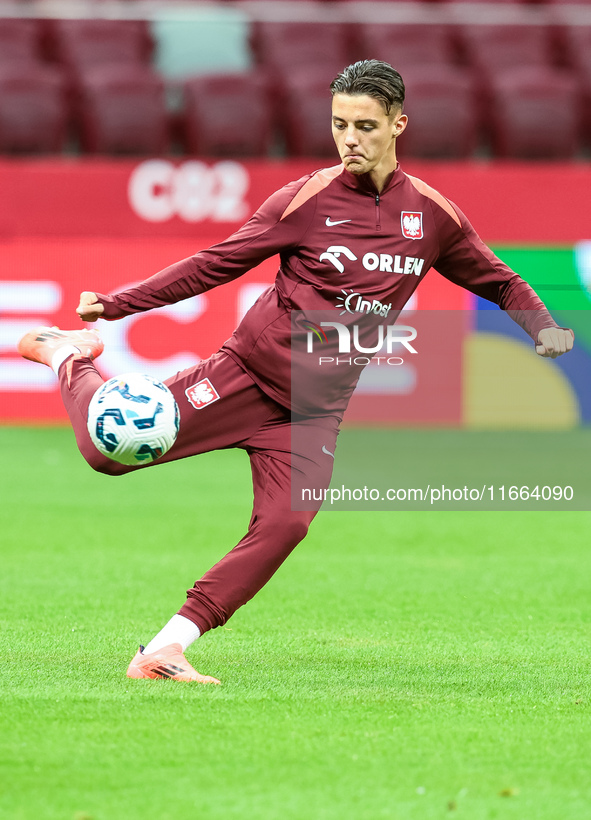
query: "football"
133, 419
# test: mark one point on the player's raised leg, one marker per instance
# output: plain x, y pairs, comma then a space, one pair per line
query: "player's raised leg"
52, 346
70, 354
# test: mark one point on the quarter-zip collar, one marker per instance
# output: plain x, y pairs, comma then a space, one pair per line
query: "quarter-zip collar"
365, 184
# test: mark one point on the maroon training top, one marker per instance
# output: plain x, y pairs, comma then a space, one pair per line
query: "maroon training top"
344, 248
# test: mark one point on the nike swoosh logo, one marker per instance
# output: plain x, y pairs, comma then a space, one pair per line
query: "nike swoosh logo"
330, 224
324, 450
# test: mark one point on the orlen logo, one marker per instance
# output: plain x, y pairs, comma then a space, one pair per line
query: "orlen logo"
192, 191
373, 261
333, 256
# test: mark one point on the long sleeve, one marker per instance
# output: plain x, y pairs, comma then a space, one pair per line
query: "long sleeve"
465, 260
266, 233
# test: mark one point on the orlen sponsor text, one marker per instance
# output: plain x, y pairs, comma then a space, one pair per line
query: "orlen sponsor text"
385, 262
393, 264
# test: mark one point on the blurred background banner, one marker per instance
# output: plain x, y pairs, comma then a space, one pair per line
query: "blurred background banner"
507, 202
135, 133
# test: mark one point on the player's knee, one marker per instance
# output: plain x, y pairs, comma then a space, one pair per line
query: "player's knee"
298, 529
104, 465
109, 467
290, 528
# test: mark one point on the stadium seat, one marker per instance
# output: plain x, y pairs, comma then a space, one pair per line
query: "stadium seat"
306, 120
405, 44
122, 109
584, 78
283, 49
442, 112
536, 114
227, 115
490, 48
288, 91
577, 47
20, 39
85, 43
513, 2
33, 112
576, 52
299, 43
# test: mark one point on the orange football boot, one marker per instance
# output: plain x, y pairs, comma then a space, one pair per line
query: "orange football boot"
40, 344
168, 662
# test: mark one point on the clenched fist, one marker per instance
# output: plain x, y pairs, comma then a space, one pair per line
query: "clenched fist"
89, 308
554, 341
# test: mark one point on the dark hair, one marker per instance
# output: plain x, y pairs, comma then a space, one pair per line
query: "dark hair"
374, 78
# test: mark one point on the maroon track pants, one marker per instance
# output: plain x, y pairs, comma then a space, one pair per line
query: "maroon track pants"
282, 462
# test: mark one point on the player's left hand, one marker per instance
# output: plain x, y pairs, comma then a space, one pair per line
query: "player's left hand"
554, 341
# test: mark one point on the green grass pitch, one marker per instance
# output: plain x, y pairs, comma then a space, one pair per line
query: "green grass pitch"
420, 665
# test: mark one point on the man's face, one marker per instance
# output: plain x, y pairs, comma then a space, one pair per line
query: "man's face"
364, 134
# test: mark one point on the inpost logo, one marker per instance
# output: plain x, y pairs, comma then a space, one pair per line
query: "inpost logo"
353, 302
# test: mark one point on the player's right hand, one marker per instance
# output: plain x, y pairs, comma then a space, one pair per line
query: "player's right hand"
89, 308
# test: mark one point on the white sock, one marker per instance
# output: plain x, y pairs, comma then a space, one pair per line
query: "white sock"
178, 630
60, 356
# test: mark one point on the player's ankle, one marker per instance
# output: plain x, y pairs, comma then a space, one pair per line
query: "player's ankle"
178, 630
60, 356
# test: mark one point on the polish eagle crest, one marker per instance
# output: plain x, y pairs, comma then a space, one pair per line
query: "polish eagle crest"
412, 224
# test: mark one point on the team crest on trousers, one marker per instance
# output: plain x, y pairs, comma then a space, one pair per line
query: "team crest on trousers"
201, 394
412, 224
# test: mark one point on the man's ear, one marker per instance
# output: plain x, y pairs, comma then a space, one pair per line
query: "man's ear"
399, 124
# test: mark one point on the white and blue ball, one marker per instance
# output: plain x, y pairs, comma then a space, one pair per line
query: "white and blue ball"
133, 419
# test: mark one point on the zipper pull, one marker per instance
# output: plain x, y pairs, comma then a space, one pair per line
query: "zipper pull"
378, 222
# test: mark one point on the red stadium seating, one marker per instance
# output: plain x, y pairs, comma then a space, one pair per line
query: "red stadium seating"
306, 120
227, 115
122, 110
443, 119
33, 113
298, 43
405, 44
584, 78
513, 2
576, 42
82, 44
20, 39
535, 114
490, 48
284, 49
577, 47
